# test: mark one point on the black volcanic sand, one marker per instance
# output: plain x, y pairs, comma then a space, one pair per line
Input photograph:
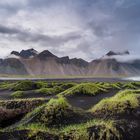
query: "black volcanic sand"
86, 102
5, 94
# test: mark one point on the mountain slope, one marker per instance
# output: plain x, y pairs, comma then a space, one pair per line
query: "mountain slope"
111, 67
12, 66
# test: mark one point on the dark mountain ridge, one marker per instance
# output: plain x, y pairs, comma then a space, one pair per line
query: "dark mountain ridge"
25, 53
31, 62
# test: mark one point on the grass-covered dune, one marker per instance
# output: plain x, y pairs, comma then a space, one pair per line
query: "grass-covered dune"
55, 113
95, 129
123, 103
89, 89
13, 110
113, 112
92, 89
22, 89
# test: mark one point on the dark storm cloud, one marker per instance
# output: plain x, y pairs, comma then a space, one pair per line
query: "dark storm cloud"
7, 30
111, 24
47, 40
27, 36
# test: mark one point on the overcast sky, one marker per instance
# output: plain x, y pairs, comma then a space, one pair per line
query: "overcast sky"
78, 28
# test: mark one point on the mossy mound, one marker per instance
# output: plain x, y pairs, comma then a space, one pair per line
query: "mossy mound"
124, 102
55, 113
24, 86
22, 104
12, 111
93, 129
89, 89
17, 94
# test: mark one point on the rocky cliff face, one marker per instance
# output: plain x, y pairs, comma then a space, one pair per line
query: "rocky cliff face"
45, 63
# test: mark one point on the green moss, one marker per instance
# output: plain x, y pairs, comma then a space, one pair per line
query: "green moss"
90, 89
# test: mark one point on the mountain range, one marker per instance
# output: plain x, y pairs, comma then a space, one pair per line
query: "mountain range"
32, 62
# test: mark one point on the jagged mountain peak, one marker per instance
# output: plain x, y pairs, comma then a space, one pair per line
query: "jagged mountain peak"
15, 53
112, 53
24, 53
46, 54
28, 53
79, 62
